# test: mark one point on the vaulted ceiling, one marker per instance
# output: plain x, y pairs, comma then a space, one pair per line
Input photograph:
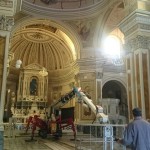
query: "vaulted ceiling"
43, 44
47, 42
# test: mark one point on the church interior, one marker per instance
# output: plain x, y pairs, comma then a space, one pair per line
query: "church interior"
65, 54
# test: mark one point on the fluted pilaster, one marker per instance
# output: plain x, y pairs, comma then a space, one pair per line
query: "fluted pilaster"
136, 28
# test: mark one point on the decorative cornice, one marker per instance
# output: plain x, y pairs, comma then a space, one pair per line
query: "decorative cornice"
33, 66
136, 21
6, 4
138, 27
144, 26
10, 7
66, 14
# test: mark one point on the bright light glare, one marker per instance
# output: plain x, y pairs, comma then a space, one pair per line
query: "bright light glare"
112, 46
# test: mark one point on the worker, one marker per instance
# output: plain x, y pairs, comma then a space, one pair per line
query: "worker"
53, 125
137, 133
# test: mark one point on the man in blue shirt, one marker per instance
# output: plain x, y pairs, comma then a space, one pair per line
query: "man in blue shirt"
137, 133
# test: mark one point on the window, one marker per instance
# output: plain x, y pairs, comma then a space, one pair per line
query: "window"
112, 49
112, 46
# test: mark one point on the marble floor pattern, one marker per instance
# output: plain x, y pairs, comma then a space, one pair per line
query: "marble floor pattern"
22, 143
65, 143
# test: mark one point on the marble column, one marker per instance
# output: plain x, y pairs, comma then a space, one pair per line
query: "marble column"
136, 28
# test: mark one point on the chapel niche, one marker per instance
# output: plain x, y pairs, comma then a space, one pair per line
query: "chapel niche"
32, 91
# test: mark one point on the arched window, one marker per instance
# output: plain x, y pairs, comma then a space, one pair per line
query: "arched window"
112, 48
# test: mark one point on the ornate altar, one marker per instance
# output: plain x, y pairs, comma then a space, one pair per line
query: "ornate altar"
32, 92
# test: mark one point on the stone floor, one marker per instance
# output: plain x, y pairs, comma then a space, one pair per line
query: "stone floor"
24, 143
64, 143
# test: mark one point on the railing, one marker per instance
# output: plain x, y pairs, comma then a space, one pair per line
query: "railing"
88, 137
98, 136
12, 129
14, 134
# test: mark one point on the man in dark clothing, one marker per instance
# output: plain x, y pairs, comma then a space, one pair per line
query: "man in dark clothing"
137, 133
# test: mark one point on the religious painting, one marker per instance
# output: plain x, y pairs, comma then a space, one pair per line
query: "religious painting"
85, 29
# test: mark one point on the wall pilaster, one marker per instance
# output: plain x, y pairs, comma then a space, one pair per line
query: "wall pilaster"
7, 11
4, 35
136, 28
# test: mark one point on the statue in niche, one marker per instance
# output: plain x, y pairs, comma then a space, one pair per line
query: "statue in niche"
13, 101
33, 87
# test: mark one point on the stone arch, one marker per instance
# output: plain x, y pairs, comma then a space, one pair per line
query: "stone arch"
115, 89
